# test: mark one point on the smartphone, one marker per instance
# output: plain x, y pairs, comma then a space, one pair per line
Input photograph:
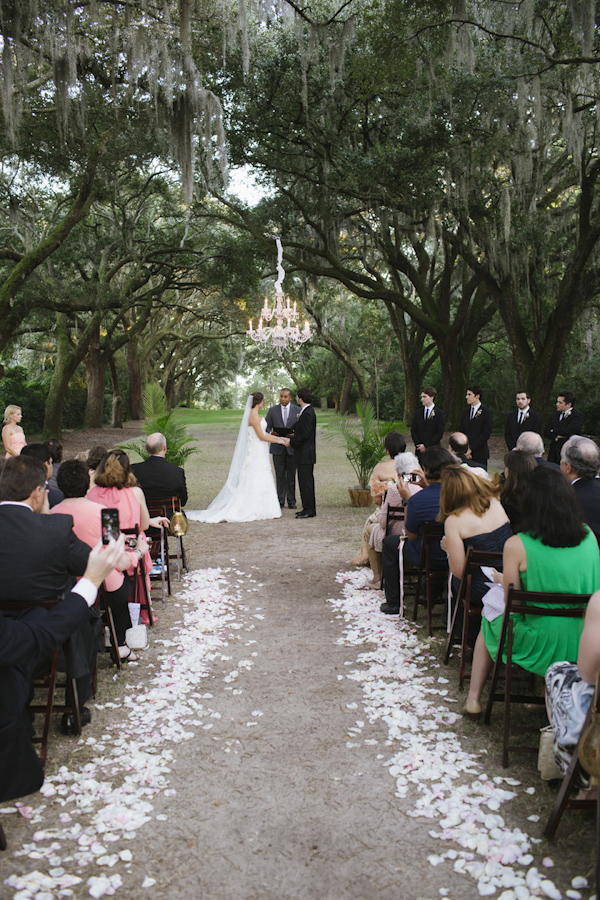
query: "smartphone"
110, 525
413, 477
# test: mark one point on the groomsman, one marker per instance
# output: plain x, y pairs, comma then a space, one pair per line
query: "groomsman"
476, 422
428, 424
564, 422
522, 419
303, 441
284, 415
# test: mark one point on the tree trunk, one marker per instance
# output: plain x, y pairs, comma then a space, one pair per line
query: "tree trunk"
63, 372
95, 369
117, 398
134, 396
346, 392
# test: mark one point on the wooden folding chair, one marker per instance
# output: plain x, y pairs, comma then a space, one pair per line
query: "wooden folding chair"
567, 606
167, 506
565, 801
474, 560
433, 532
394, 514
47, 681
139, 592
103, 606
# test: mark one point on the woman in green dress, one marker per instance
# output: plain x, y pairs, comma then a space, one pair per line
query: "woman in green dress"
554, 552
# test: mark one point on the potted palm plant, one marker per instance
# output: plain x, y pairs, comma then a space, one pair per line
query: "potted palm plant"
365, 448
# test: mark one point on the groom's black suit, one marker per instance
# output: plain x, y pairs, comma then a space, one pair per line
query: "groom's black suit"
304, 443
284, 460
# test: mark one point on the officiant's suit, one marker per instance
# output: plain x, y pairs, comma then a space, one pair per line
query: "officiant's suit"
25, 642
284, 460
303, 442
40, 556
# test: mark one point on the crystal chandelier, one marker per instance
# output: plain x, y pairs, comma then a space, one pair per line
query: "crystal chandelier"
288, 337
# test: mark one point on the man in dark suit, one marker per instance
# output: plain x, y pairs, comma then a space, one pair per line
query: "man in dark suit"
580, 464
531, 442
27, 643
303, 442
524, 418
42, 452
476, 422
157, 477
428, 424
40, 556
564, 422
280, 417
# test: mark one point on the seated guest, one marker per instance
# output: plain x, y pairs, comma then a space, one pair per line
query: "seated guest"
459, 445
52, 556
41, 452
519, 466
580, 464
116, 487
157, 477
93, 458
473, 517
531, 442
570, 688
554, 552
27, 643
374, 534
74, 481
56, 453
420, 508
384, 474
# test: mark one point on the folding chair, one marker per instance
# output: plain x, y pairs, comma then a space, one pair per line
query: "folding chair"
394, 514
167, 506
103, 605
433, 532
525, 602
474, 560
47, 681
139, 593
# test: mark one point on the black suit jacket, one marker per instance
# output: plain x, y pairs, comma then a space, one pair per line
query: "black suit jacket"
275, 420
159, 479
478, 430
571, 424
428, 431
25, 642
39, 555
513, 431
588, 495
304, 438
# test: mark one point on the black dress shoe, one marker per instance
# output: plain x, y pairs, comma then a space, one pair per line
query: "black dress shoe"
390, 610
305, 515
67, 725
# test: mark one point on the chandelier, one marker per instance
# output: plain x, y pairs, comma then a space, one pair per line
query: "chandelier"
278, 336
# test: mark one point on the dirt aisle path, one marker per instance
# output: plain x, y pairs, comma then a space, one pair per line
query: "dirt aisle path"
247, 756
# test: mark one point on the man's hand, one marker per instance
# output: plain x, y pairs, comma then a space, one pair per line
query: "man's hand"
103, 559
421, 448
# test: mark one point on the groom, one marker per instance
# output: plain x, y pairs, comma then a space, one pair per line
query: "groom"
303, 443
284, 415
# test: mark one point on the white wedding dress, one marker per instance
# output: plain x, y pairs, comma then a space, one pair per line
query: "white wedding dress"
249, 493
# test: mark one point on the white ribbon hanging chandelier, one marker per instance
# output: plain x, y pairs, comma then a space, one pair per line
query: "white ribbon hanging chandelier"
278, 336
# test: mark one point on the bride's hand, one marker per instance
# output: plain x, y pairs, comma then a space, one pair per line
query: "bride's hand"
285, 441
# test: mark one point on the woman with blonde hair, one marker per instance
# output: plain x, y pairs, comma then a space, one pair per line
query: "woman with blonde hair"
13, 436
473, 516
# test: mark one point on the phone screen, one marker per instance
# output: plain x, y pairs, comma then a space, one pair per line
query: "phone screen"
110, 525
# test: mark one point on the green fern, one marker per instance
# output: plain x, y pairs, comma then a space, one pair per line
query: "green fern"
365, 441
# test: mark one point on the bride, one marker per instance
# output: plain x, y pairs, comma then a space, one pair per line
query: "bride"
249, 492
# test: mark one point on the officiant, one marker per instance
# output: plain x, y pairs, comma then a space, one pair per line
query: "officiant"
281, 420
